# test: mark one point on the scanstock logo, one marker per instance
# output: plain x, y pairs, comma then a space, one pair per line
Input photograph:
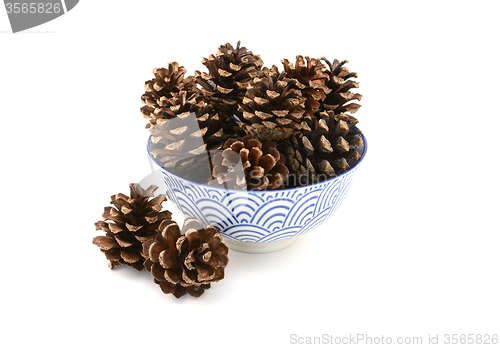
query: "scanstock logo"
28, 14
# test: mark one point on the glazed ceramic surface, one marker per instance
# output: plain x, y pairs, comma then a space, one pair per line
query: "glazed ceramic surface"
251, 219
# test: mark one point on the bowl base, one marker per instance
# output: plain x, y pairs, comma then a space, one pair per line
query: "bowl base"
258, 248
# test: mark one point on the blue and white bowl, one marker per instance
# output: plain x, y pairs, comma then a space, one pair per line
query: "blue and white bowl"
260, 221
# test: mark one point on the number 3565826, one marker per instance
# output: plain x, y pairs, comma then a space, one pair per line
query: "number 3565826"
32, 7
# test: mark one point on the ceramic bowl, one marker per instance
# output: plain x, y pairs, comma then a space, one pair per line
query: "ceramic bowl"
260, 221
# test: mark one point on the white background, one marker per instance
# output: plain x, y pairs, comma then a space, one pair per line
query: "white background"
413, 251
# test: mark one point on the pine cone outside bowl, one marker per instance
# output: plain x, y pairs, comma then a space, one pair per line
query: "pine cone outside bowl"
260, 221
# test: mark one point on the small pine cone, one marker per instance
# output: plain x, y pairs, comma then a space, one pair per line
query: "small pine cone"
339, 99
325, 149
273, 106
134, 221
188, 260
229, 72
247, 163
168, 82
312, 80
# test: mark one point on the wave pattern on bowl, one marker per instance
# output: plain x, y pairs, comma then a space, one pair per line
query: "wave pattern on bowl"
259, 216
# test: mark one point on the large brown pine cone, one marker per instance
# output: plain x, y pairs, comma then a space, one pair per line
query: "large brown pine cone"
167, 83
312, 80
188, 260
180, 143
326, 148
273, 106
131, 222
229, 72
246, 163
213, 129
340, 99
180, 103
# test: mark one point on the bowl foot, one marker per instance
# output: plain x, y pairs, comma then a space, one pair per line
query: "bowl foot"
258, 248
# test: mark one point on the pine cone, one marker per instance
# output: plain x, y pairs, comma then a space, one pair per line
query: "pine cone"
179, 103
229, 72
339, 99
273, 106
134, 221
323, 150
301, 169
247, 163
180, 143
312, 80
187, 261
178, 146
168, 82
209, 121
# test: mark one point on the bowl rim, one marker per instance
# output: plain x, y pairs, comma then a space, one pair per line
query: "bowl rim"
365, 148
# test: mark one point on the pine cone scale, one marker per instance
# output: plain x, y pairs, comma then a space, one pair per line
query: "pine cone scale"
173, 275
130, 257
113, 255
158, 272
105, 243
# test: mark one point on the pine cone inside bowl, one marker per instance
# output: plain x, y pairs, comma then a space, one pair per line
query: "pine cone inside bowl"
326, 147
180, 103
273, 106
186, 261
246, 163
229, 72
167, 83
180, 139
312, 77
340, 98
